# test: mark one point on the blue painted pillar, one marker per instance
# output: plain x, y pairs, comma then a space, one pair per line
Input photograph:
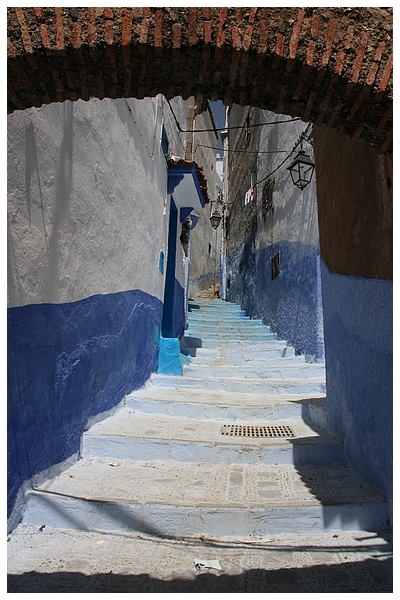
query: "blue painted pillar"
173, 321
169, 291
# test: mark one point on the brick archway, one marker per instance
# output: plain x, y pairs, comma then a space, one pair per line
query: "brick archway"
325, 65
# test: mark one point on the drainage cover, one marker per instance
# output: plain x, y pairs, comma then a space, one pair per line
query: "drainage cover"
264, 431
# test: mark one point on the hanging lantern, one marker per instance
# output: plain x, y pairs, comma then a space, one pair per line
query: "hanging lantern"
215, 219
301, 170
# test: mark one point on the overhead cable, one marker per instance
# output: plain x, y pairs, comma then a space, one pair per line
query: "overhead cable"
242, 151
302, 137
227, 128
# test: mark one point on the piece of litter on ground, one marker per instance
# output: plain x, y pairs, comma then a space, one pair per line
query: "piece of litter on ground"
100, 542
114, 464
207, 564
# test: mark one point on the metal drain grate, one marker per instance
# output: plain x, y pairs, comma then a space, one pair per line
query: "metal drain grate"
259, 431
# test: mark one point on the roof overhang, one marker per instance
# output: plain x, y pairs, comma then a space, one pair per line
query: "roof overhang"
188, 186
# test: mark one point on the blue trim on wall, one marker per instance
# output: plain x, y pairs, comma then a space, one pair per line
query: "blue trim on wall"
358, 325
291, 303
169, 358
173, 320
169, 290
67, 363
184, 213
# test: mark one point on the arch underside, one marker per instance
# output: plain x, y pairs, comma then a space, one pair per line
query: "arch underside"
303, 66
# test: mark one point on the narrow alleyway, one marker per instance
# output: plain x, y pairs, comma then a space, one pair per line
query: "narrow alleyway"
230, 463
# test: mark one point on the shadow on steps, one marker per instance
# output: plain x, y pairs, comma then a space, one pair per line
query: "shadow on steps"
368, 576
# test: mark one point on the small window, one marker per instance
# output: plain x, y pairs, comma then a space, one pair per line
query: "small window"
210, 249
164, 143
275, 266
266, 201
161, 262
247, 130
227, 226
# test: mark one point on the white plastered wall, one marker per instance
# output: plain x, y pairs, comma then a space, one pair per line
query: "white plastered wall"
295, 211
87, 205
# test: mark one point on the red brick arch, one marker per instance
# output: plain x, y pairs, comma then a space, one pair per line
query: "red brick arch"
325, 65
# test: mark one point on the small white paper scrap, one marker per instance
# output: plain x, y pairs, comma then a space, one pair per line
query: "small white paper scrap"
208, 564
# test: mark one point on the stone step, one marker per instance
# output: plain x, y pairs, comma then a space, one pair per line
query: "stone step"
221, 336
242, 345
223, 321
236, 313
218, 326
280, 370
239, 361
170, 498
312, 386
65, 560
232, 309
217, 405
242, 329
202, 315
239, 328
207, 302
238, 351
138, 436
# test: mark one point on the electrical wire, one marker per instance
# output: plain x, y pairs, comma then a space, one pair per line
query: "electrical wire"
240, 126
163, 114
300, 140
242, 151
275, 170
140, 133
227, 128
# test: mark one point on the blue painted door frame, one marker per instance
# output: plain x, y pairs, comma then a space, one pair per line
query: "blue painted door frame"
169, 291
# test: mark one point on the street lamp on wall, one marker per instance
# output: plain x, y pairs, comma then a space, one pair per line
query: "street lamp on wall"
301, 170
215, 219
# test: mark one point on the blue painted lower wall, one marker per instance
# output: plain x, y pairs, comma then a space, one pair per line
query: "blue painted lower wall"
67, 363
241, 276
291, 304
358, 316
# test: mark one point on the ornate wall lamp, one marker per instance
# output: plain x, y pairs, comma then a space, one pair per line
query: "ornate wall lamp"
215, 219
301, 170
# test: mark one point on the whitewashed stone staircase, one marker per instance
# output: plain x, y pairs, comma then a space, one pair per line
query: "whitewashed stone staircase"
161, 464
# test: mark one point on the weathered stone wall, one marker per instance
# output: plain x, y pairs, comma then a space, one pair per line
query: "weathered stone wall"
204, 240
281, 221
326, 65
243, 145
